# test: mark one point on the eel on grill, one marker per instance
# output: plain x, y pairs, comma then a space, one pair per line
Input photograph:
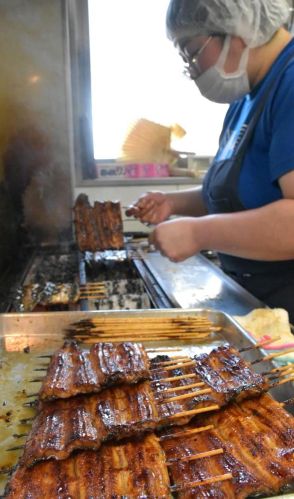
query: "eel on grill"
131, 470
99, 227
73, 371
47, 294
87, 421
257, 437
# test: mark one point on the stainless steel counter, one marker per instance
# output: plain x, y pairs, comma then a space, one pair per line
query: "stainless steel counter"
199, 283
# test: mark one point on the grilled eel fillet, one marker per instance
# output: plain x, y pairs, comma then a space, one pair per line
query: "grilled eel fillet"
73, 371
119, 412
85, 422
257, 437
228, 375
100, 227
131, 470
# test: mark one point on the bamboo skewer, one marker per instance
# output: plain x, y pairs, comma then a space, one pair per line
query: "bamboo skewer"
171, 362
182, 387
186, 433
260, 344
194, 411
186, 396
17, 447
278, 369
123, 328
285, 372
20, 435
274, 355
140, 334
86, 296
144, 326
116, 330
284, 368
160, 319
199, 483
166, 349
94, 284
194, 457
32, 403
180, 365
26, 420
140, 338
282, 382
174, 378
136, 339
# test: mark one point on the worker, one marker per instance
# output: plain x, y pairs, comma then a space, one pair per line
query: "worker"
237, 52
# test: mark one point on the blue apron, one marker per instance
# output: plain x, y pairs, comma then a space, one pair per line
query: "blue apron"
272, 282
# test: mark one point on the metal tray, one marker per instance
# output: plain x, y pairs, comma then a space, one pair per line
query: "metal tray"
199, 283
23, 337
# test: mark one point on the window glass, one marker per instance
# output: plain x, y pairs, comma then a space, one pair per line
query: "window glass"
137, 73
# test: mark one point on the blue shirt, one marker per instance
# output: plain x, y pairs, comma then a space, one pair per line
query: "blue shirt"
270, 153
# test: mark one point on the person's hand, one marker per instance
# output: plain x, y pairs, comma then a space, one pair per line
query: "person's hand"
152, 208
177, 239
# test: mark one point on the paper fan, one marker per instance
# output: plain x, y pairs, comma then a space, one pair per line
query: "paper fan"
150, 142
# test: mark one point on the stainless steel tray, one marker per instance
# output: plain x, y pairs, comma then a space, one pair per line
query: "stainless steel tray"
42, 333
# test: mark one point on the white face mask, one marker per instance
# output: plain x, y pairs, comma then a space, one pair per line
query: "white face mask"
221, 87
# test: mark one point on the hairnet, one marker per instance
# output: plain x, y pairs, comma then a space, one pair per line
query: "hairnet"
253, 20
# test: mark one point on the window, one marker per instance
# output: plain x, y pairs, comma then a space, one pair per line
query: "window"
137, 73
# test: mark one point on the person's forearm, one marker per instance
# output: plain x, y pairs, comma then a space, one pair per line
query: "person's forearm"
187, 202
265, 233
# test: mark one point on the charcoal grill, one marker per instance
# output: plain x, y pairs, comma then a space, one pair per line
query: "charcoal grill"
128, 282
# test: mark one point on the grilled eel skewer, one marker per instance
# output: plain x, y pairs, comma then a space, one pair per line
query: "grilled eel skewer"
73, 371
87, 421
133, 469
99, 227
257, 438
245, 453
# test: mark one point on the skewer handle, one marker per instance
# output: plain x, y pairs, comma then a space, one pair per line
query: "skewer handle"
182, 387
260, 344
194, 411
274, 355
185, 396
200, 455
199, 483
186, 433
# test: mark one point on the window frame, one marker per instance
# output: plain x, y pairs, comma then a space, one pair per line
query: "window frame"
78, 55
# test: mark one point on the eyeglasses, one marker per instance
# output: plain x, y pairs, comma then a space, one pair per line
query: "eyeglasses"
191, 68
